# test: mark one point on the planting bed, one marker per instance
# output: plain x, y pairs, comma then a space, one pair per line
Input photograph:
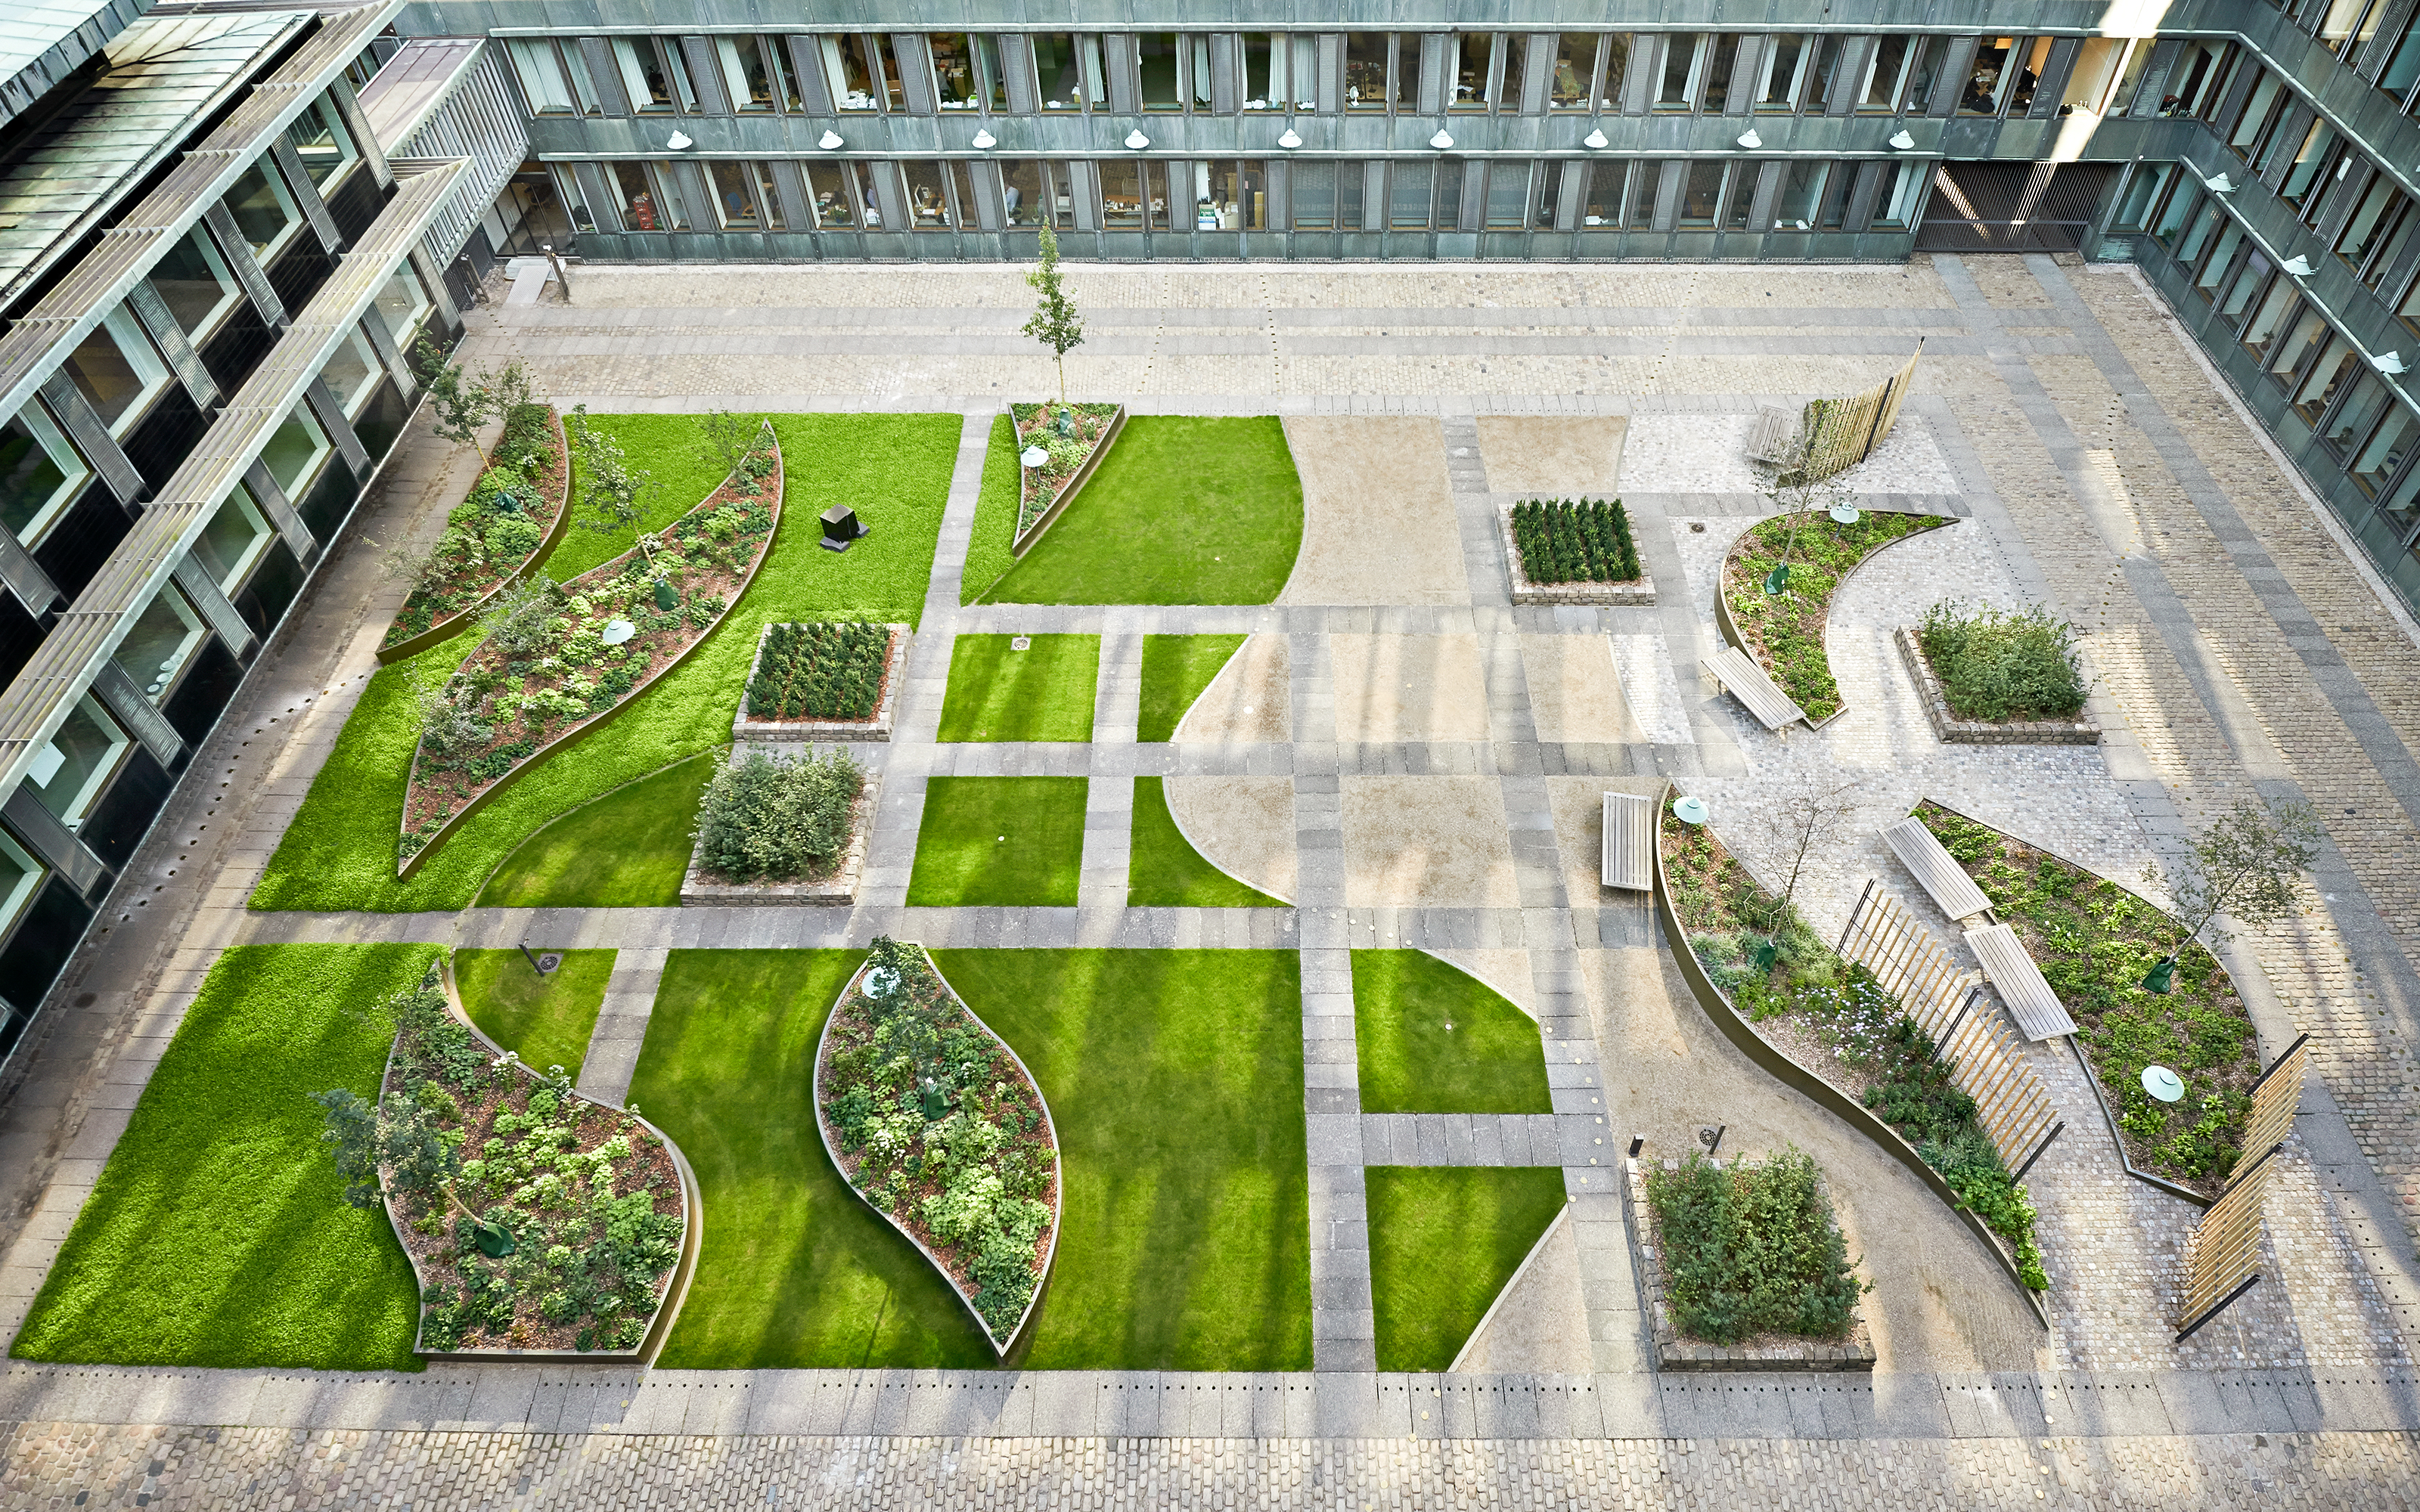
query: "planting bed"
940, 1127
485, 545
825, 680
1785, 632
1042, 489
2095, 941
1744, 1267
1949, 729
1572, 552
832, 880
706, 560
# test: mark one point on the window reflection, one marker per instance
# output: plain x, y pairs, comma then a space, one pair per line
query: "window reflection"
158, 643
955, 85
193, 281
39, 471
72, 766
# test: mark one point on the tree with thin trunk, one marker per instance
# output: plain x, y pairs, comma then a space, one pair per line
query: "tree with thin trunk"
1055, 322
463, 401
613, 497
1802, 814
2247, 865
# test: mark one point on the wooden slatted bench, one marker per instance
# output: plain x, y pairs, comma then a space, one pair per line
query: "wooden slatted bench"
1629, 860
1757, 692
2039, 1011
1939, 871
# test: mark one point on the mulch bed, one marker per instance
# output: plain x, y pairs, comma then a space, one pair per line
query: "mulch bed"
425, 606
1040, 487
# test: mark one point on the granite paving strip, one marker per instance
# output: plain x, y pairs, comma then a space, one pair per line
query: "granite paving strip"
621, 1025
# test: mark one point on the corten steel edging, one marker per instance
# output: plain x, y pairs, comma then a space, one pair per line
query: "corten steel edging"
409, 866
1001, 1347
447, 628
1023, 541
1769, 1057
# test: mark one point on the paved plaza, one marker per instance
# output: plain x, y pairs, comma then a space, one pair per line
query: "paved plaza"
1411, 760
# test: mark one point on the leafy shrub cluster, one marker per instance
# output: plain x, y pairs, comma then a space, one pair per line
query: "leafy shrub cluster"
780, 820
941, 1129
1038, 424
1785, 631
825, 670
575, 1186
1565, 540
1752, 1249
1994, 665
493, 532
2095, 941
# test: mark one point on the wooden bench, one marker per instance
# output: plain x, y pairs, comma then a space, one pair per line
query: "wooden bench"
1629, 860
1758, 693
1775, 436
2038, 1013
1939, 871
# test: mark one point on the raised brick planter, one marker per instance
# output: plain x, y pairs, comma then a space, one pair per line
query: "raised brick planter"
1675, 1354
839, 890
894, 677
1957, 732
1638, 593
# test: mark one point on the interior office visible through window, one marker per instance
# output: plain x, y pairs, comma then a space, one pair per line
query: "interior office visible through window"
1280, 71
829, 197
116, 370
1068, 67
1677, 87
1172, 70
319, 139
1589, 67
749, 76
21, 877
646, 77
71, 767
264, 211
40, 471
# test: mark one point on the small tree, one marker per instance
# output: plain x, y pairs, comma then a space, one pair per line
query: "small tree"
462, 403
1055, 322
729, 438
1801, 812
395, 1135
453, 716
613, 497
2248, 865
1791, 495
518, 617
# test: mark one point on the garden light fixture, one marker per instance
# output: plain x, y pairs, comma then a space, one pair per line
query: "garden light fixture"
843, 528
1135, 141
2164, 1084
1846, 514
1749, 140
2297, 265
1689, 811
1900, 141
1033, 456
1594, 140
617, 631
679, 141
2162, 978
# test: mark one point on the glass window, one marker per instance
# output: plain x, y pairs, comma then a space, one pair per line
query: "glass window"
1311, 188
1980, 94
2130, 79
786, 73
1717, 93
1574, 71
76, 762
672, 204
2348, 23
193, 281
2174, 212
2316, 146
869, 197
2268, 320
1678, 88
295, 450
2361, 408
39, 472
1827, 67
1513, 49
352, 371
1471, 57
1265, 56
2287, 354
2337, 367
1743, 195
2197, 236
1837, 190
893, 89
21, 877
1239, 191
155, 648
735, 196
1638, 213
2261, 113
1907, 188
116, 369
1198, 75
1059, 68
1802, 188
2036, 58
232, 541
746, 76
319, 138
1408, 189
1786, 58
2221, 259
1508, 196
1883, 73
2379, 212
954, 83
2240, 293
1603, 206
263, 211
768, 196
1701, 191
643, 78
829, 189
1617, 65
1923, 72
404, 304
928, 202
1122, 207
638, 204
1158, 68
2375, 465
2403, 66
2148, 179
848, 69
1365, 75
1021, 191
2087, 82
684, 92
541, 75
1350, 177
993, 76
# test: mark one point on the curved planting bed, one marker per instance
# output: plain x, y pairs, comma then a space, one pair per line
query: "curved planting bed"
567, 1228
1785, 632
1044, 492
934, 1121
567, 663
489, 543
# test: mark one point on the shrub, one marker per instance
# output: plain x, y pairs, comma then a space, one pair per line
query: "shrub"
782, 820
1565, 540
1752, 1250
828, 670
1996, 665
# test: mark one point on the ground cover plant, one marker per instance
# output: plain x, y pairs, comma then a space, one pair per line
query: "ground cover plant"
827, 670
1432, 1037
554, 659
990, 550
779, 819
1785, 631
217, 1235
1833, 1018
561, 1228
1044, 692
795, 1270
1011, 841
1175, 1081
1183, 510
494, 533
1752, 1249
1068, 435
1176, 669
339, 852
1568, 540
1996, 665
936, 1124
547, 1019
1164, 870
2095, 942
1444, 1242
629, 849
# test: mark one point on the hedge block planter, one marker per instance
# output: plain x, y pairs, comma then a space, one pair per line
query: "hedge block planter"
701, 889
1951, 730
816, 719
434, 613
1044, 492
1637, 592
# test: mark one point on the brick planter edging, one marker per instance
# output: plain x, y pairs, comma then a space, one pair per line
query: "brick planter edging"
1638, 593
894, 677
1674, 1353
1951, 730
838, 890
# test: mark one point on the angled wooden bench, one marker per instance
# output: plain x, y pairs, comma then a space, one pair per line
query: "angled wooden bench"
2038, 1013
1757, 692
1629, 860
1939, 871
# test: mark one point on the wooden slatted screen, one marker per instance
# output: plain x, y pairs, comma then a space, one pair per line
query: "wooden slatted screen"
1885, 939
2010, 1101
1842, 433
2275, 1098
2222, 1257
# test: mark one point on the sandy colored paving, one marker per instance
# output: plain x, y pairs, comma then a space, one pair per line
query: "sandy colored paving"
1575, 694
1243, 825
1427, 842
1540, 1322
1248, 700
1557, 455
1378, 524
1391, 688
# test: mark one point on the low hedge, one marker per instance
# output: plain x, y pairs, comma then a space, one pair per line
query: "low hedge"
1752, 1249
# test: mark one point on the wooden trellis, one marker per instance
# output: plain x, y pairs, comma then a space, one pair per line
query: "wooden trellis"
2222, 1257
1842, 433
1885, 939
2011, 1102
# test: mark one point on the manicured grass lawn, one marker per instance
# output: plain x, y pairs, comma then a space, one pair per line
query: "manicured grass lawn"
671, 450
1443, 1242
545, 1020
629, 849
797, 1271
1434, 1038
1164, 870
893, 469
1176, 1080
1183, 510
987, 553
1175, 670
1016, 841
1043, 693
218, 1235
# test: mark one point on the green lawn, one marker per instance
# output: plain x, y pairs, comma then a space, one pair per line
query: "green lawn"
673, 452
629, 849
1175, 670
988, 552
1176, 1080
1164, 870
1434, 1038
797, 1271
893, 469
1183, 510
1443, 1242
218, 1234
1018, 840
1043, 693
545, 1020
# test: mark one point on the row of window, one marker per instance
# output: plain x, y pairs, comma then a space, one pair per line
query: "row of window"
2353, 30
1227, 74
